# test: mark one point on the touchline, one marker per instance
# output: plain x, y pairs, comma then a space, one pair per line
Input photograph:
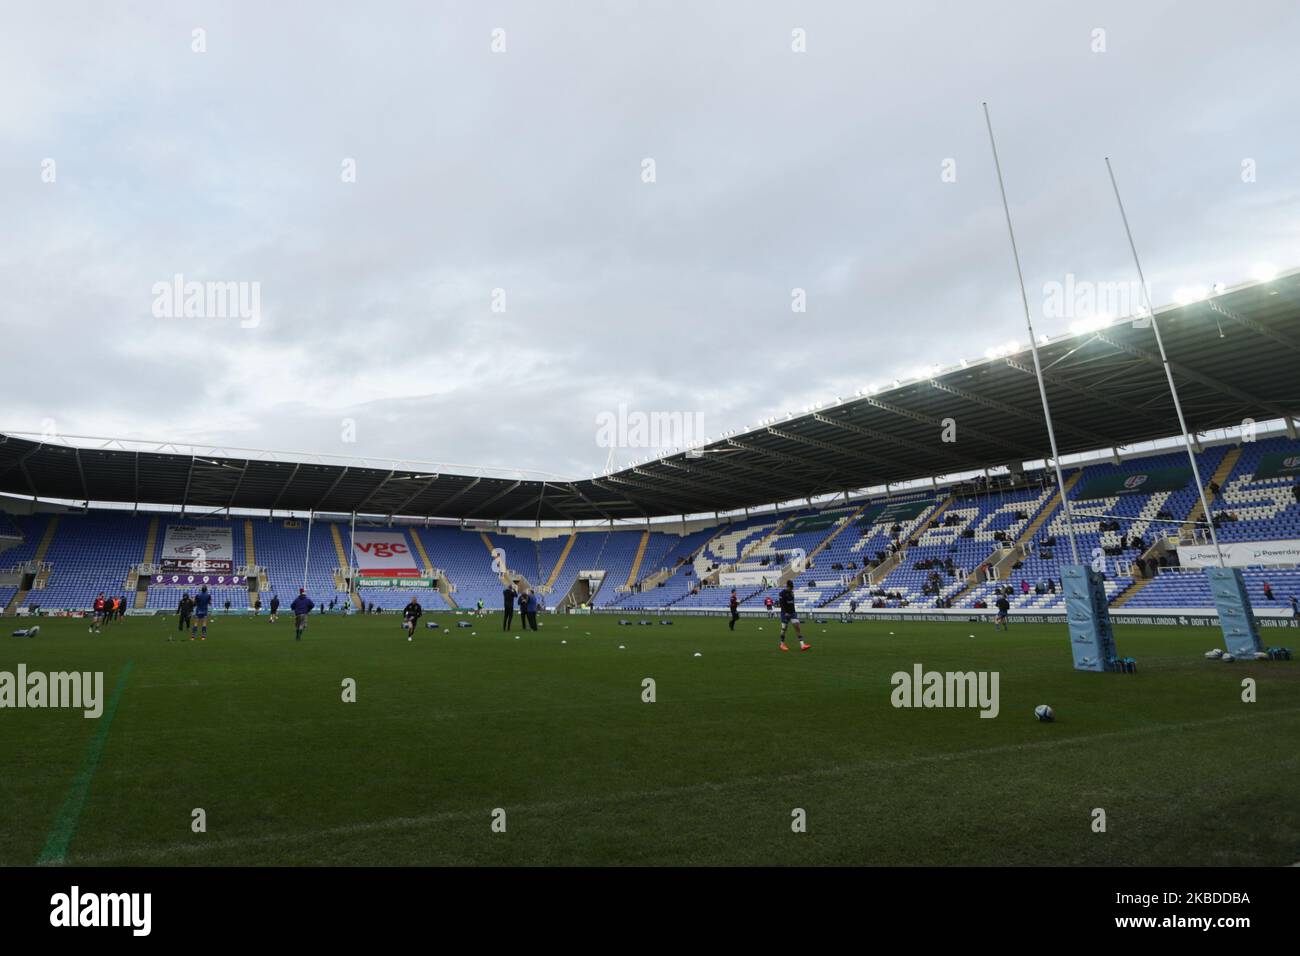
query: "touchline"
76, 690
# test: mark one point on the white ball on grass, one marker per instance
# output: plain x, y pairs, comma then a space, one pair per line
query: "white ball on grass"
698, 654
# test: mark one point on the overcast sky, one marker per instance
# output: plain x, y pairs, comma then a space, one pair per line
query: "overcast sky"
523, 170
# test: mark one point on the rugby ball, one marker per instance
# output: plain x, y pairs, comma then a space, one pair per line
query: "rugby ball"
1044, 713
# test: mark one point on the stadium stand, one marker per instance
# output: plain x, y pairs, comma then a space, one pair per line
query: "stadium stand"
919, 551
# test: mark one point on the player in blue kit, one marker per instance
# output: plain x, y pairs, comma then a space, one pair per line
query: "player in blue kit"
202, 604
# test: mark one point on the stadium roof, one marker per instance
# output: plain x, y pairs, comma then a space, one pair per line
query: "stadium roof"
1235, 355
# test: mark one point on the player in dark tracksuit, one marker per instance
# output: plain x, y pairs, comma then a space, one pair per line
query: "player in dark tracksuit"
528, 609
735, 610
508, 600
790, 616
183, 612
411, 617
301, 607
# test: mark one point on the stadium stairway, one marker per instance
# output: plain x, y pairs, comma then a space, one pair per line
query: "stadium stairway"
1161, 547
1007, 557
141, 599
1130, 592
559, 564
1220, 478
509, 574
41, 550
1019, 547
151, 541
835, 533
339, 583
250, 552
881, 571
762, 543
753, 548
873, 576
636, 561
1045, 515
660, 575
425, 563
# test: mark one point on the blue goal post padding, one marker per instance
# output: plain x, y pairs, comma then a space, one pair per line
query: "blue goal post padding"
1087, 612
1240, 629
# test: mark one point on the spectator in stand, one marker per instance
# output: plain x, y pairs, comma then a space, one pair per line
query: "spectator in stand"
1268, 591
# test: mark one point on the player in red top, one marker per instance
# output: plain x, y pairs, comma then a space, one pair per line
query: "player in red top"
98, 619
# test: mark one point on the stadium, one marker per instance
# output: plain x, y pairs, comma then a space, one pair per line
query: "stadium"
896, 545
447, 458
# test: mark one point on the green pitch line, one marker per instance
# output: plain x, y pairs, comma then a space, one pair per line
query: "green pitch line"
65, 824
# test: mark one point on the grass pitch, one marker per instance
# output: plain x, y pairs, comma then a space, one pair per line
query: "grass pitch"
250, 726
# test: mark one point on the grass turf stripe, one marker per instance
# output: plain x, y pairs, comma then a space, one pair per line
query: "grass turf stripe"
65, 824
588, 801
